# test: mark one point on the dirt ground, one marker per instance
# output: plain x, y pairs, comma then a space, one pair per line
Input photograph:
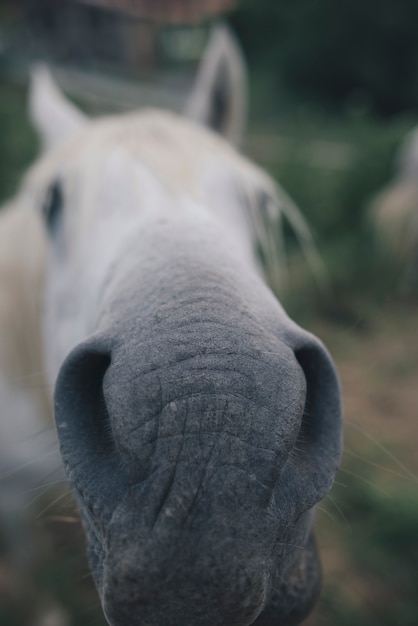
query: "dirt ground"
378, 367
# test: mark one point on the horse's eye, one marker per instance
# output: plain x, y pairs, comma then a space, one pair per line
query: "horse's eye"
267, 205
53, 205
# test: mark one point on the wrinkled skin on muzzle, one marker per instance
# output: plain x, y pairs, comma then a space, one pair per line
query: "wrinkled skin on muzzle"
199, 426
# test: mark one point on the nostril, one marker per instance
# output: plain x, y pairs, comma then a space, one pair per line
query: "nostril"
83, 423
309, 362
319, 441
88, 449
321, 412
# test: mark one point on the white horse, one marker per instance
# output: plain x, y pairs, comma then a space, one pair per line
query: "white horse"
198, 425
395, 210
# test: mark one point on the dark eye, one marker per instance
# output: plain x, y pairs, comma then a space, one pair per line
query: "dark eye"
53, 206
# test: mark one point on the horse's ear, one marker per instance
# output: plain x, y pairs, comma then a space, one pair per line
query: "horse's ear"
219, 96
54, 117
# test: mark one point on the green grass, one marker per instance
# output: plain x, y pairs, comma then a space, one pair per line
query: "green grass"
381, 552
18, 143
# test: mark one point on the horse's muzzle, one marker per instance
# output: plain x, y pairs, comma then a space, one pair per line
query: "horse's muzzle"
196, 463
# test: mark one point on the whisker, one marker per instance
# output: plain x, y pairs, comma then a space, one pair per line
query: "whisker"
85, 576
364, 480
377, 465
55, 501
291, 545
384, 449
35, 499
338, 508
65, 519
340, 484
16, 470
44, 429
328, 513
45, 486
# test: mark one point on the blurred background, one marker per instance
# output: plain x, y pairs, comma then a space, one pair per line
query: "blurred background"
333, 94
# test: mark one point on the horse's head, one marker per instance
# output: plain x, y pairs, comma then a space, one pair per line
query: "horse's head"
198, 424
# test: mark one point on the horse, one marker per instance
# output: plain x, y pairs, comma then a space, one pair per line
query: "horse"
198, 425
394, 213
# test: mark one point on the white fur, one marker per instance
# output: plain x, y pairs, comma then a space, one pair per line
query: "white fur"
222, 60
54, 116
394, 211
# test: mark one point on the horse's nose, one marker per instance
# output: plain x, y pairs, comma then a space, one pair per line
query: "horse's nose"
272, 410
200, 455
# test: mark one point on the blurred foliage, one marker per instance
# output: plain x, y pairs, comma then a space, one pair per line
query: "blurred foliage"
332, 166
17, 139
376, 530
57, 588
336, 52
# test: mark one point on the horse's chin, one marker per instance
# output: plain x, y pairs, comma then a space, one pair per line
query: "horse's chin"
288, 604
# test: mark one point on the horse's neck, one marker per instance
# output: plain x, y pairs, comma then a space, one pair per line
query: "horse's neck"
21, 284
